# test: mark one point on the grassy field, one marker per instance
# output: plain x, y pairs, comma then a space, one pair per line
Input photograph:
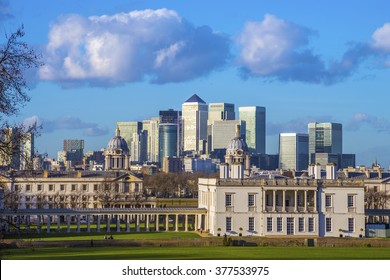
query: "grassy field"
197, 253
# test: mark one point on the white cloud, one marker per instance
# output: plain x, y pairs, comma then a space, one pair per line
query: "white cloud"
277, 48
67, 123
127, 47
381, 38
377, 123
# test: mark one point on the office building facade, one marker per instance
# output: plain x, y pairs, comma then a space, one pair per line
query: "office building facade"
255, 125
293, 151
194, 118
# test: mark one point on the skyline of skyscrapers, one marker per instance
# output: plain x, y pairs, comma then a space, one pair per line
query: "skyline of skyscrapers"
203, 130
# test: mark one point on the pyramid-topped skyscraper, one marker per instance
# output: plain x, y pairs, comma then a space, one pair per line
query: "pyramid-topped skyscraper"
194, 114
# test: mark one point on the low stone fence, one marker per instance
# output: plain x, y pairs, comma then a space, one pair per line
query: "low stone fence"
204, 242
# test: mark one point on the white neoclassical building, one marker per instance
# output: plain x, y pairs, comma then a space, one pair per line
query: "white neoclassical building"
259, 205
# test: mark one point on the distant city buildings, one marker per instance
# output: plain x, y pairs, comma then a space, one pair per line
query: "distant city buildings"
194, 114
255, 125
293, 151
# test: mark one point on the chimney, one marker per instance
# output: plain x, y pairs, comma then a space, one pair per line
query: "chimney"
224, 171
311, 170
317, 171
331, 171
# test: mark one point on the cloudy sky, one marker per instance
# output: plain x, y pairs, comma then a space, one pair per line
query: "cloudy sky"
123, 60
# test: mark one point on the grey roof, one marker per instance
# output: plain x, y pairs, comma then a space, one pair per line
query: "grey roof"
236, 144
195, 98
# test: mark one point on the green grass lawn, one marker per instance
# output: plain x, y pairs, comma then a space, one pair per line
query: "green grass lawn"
196, 253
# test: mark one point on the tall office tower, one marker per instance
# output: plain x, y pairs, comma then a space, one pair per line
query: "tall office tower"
27, 152
74, 151
151, 127
221, 131
194, 118
325, 138
10, 157
128, 129
138, 147
293, 151
220, 111
169, 134
70, 145
254, 117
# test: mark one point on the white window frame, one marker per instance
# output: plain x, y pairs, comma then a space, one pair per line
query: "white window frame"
328, 224
279, 224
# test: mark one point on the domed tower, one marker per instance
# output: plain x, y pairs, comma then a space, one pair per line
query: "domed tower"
117, 155
237, 158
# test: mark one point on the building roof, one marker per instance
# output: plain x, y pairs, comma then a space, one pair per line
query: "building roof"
117, 143
195, 98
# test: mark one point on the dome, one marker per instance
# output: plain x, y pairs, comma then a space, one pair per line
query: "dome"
117, 143
235, 145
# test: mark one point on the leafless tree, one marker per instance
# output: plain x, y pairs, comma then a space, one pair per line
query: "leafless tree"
376, 199
107, 193
16, 57
11, 198
75, 199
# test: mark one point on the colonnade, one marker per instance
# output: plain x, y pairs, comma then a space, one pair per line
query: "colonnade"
122, 220
296, 205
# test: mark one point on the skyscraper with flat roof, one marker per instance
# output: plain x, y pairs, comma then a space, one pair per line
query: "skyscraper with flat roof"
194, 117
254, 117
220, 111
325, 138
169, 134
293, 151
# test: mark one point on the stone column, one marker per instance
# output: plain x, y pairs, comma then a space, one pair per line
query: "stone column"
58, 222
186, 222
137, 222
166, 222
147, 225
305, 200
315, 201
88, 223
177, 222
118, 224
156, 222
27, 223
108, 229
78, 223
98, 223
295, 201
39, 223
273, 200
68, 221
284, 201
127, 223
48, 224
196, 222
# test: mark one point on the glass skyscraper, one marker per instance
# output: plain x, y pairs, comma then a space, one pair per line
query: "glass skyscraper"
254, 117
169, 134
194, 123
293, 151
325, 138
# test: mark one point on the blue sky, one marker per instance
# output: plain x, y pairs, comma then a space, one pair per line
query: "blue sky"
108, 61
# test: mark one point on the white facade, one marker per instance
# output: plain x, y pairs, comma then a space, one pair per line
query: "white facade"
272, 207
